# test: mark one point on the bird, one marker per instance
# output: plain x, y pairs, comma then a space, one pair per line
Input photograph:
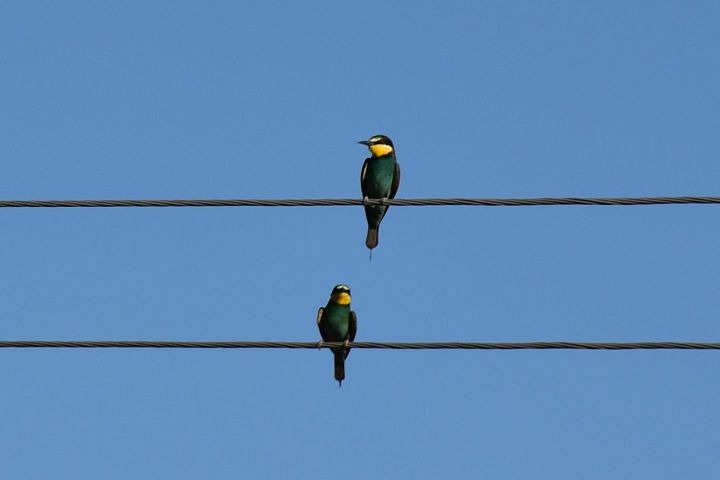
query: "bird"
379, 178
337, 323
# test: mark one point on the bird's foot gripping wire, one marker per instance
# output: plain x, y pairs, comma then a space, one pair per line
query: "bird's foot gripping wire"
380, 201
320, 344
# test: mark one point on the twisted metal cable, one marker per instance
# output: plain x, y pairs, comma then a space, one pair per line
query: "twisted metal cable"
371, 345
327, 202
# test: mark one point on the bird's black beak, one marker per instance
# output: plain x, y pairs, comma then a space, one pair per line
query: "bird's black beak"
364, 142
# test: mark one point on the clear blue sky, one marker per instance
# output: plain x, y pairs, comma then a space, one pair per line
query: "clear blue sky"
259, 100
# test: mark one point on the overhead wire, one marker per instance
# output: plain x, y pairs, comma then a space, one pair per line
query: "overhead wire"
510, 202
328, 202
660, 345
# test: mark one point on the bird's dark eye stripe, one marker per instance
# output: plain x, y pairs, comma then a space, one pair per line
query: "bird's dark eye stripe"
380, 140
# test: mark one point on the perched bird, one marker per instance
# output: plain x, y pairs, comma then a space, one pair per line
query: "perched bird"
337, 323
379, 178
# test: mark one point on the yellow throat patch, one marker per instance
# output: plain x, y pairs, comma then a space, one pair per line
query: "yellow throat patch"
380, 150
341, 298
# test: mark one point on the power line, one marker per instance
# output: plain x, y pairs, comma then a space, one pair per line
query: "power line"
369, 345
328, 202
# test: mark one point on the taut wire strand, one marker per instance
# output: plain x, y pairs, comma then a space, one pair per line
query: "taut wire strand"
328, 202
365, 345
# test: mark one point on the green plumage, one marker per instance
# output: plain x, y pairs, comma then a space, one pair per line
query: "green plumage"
338, 323
379, 178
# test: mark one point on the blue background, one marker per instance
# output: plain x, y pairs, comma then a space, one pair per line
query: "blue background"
259, 100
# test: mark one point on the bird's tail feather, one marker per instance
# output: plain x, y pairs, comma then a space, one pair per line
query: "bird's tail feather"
371, 241
339, 366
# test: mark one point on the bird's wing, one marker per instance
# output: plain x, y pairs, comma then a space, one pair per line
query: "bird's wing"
395, 182
320, 324
363, 172
352, 330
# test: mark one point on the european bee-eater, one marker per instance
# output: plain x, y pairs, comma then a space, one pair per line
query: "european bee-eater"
337, 323
379, 179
